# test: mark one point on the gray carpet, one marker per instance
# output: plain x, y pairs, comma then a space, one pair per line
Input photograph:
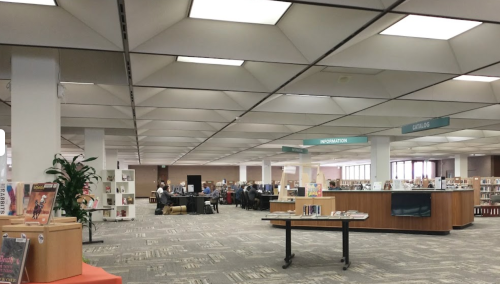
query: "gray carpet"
235, 246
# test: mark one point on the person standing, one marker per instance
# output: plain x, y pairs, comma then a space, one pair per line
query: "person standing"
238, 196
214, 200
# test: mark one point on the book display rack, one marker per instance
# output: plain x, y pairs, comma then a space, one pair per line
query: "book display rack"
119, 194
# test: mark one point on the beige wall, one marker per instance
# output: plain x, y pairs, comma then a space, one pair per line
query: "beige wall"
480, 166
176, 174
145, 179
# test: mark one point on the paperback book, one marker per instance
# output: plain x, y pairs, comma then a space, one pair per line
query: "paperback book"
8, 199
41, 202
13, 259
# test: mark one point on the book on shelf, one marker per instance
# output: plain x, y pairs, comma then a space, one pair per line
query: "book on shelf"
13, 259
106, 213
96, 203
124, 201
110, 178
8, 199
41, 203
108, 189
310, 210
122, 189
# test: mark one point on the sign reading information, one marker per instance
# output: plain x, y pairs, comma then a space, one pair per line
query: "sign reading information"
426, 125
294, 150
335, 141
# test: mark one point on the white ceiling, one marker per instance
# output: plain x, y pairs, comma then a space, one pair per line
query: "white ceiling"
358, 81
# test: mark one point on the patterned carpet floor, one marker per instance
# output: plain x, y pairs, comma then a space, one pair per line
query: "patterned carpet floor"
235, 246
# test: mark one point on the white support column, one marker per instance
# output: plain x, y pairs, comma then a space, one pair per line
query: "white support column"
3, 166
461, 165
36, 113
266, 172
123, 165
94, 147
111, 159
243, 173
304, 159
380, 169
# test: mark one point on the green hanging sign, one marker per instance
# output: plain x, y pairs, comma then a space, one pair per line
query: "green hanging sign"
336, 141
294, 150
425, 125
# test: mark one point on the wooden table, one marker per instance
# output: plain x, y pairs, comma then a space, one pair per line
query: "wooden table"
288, 233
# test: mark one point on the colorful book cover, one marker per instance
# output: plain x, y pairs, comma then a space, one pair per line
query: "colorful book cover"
42, 199
8, 199
314, 190
13, 259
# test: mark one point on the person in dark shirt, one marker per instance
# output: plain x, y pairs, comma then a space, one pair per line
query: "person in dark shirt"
252, 196
237, 195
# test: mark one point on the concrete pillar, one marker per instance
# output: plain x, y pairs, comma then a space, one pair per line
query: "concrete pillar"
3, 165
111, 159
36, 113
304, 159
380, 169
266, 172
123, 165
461, 165
94, 147
243, 173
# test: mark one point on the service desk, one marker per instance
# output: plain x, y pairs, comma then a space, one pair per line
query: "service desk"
450, 208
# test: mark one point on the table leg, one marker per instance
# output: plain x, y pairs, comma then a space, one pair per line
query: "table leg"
288, 241
345, 245
90, 232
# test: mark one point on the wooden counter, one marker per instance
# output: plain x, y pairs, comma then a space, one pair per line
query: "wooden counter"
448, 209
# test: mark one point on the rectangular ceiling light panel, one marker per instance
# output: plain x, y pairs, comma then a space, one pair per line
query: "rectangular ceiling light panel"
429, 27
476, 78
36, 2
216, 61
243, 11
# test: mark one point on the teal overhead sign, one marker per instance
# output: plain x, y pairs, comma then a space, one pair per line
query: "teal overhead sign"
336, 141
294, 150
426, 125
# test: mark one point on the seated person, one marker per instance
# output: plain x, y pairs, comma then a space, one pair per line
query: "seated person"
165, 199
252, 196
206, 189
333, 187
214, 200
160, 189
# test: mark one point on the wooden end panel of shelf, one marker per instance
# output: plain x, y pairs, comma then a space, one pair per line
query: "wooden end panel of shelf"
463, 207
378, 206
276, 206
476, 185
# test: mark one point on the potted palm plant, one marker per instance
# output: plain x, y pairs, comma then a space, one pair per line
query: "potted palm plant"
72, 177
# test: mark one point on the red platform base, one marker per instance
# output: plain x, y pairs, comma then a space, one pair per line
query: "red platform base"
90, 275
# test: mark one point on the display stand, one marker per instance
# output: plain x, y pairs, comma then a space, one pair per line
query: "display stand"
121, 184
52, 247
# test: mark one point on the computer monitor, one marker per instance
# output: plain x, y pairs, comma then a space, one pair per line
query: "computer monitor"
268, 187
301, 191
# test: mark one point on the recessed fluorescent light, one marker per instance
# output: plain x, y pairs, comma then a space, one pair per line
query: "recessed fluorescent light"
476, 78
244, 11
77, 83
429, 27
203, 60
35, 2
